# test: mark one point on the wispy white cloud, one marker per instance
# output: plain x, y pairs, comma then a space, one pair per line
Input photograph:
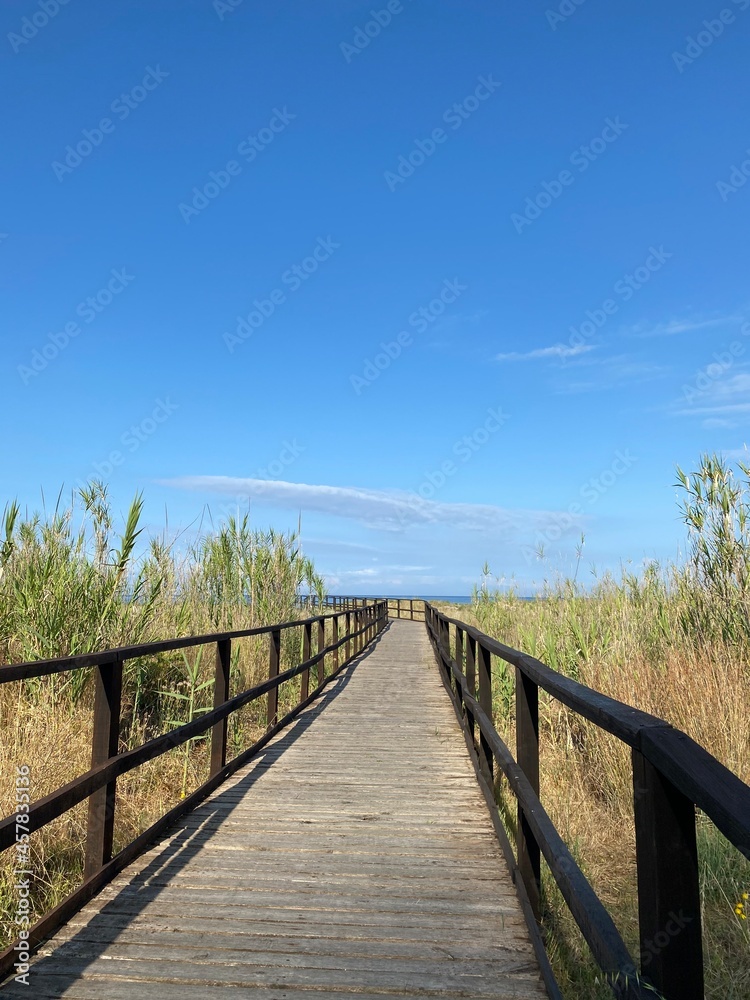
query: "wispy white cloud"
378, 572
385, 510
674, 327
558, 352
724, 399
458, 320
610, 373
718, 424
333, 546
401, 579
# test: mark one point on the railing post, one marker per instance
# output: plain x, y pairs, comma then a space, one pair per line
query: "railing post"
527, 756
669, 905
335, 640
104, 745
484, 667
348, 646
471, 680
274, 655
221, 694
445, 641
411, 608
459, 661
304, 686
321, 645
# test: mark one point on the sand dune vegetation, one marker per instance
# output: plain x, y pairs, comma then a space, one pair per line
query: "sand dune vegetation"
71, 583
673, 641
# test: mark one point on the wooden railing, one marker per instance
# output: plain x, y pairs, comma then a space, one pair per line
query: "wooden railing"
672, 775
354, 625
411, 608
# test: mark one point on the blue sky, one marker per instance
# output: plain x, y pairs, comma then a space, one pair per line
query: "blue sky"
451, 280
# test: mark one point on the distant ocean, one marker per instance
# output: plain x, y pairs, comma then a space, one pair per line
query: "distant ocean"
449, 600
423, 597
432, 597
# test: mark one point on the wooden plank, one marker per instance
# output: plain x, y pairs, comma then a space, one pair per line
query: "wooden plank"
349, 946
55, 987
520, 972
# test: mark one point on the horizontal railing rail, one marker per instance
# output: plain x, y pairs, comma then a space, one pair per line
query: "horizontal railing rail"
411, 608
671, 776
362, 622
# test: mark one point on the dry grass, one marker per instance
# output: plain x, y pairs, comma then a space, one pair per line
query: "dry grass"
629, 644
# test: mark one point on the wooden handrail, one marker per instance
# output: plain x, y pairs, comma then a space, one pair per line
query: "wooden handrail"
98, 784
671, 776
42, 668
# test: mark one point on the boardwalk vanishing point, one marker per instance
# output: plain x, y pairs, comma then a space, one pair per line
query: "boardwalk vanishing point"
354, 856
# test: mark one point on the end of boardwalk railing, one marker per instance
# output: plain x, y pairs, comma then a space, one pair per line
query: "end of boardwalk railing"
354, 624
672, 775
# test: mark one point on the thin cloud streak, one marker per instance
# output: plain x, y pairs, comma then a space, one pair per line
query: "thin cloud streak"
384, 510
729, 396
611, 373
558, 352
677, 326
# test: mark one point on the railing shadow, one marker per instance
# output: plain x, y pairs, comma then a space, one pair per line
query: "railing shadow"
185, 842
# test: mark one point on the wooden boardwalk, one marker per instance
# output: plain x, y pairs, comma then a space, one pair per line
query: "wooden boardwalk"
354, 857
